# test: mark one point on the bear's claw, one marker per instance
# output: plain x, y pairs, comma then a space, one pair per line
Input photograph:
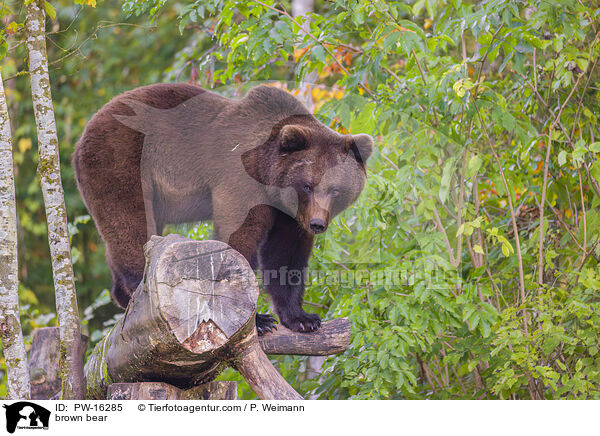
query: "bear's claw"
307, 322
265, 323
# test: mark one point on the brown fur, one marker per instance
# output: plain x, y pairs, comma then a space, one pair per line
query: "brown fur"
263, 168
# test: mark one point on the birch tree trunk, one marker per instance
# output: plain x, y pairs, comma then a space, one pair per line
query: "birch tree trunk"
302, 7
10, 324
299, 9
71, 352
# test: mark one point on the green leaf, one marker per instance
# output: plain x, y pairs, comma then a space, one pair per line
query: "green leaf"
319, 53
446, 178
50, 10
473, 165
562, 158
461, 86
391, 39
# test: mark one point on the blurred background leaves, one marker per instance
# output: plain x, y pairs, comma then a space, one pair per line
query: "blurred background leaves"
426, 263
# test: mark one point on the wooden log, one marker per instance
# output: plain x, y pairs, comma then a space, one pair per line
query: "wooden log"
192, 315
215, 390
333, 337
43, 365
263, 378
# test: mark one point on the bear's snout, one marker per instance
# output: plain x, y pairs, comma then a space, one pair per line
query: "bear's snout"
317, 225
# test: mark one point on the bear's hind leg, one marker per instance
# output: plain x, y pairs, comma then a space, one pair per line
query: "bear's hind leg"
124, 285
124, 252
114, 198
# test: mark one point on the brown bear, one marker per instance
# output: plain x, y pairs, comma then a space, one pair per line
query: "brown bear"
264, 169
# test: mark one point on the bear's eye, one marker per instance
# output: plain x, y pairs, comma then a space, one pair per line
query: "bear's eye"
335, 192
307, 188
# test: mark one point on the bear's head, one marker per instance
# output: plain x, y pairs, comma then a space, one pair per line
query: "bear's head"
326, 170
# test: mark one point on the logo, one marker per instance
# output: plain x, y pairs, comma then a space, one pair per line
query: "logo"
26, 415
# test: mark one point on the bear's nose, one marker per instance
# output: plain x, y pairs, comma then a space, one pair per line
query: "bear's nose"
317, 225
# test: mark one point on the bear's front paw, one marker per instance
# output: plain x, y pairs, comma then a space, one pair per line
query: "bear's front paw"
265, 323
305, 322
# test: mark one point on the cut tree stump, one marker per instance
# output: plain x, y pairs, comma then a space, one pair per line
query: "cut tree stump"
195, 304
192, 315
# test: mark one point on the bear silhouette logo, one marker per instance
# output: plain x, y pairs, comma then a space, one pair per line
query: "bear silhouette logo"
24, 414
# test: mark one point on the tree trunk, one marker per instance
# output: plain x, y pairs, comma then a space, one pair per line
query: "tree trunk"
193, 315
71, 356
302, 7
10, 324
299, 9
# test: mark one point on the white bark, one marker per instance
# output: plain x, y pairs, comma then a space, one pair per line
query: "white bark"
300, 8
10, 324
73, 381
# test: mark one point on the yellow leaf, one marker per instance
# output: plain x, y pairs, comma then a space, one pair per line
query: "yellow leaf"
477, 248
91, 3
12, 27
299, 52
50, 10
24, 144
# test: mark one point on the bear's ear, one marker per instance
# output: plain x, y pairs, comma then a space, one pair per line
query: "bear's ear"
361, 145
293, 138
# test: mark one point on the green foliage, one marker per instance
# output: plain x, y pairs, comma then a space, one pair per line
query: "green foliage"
465, 100
426, 264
